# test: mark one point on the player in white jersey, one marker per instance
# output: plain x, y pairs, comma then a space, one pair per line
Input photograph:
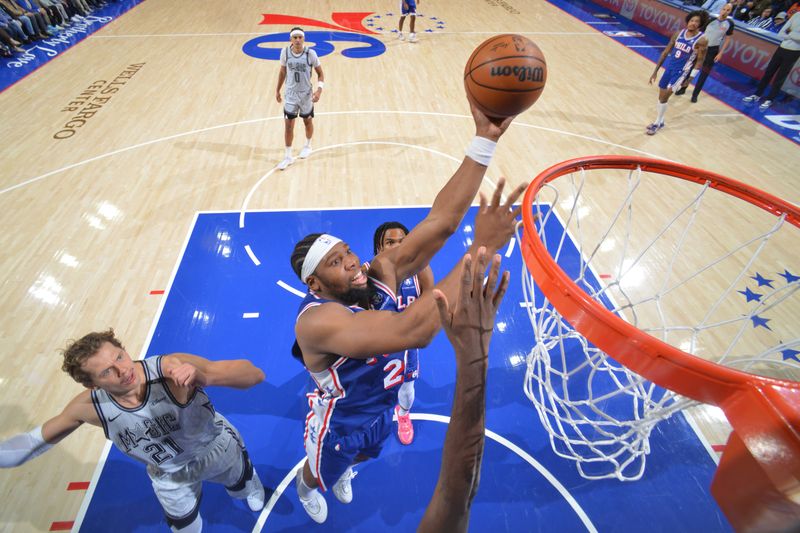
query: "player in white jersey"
387, 236
156, 412
349, 324
297, 60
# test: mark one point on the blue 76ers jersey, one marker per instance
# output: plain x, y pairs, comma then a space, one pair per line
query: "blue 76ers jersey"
352, 393
683, 53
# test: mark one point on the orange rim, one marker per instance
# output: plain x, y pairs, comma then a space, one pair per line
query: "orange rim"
646, 355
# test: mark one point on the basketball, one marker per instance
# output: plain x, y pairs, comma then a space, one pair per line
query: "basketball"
505, 75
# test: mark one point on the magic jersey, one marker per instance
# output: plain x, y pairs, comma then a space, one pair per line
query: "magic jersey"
683, 53
352, 393
161, 432
298, 69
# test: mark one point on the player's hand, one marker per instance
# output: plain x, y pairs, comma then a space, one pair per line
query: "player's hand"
495, 222
717, 57
278, 96
489, 127
316, 95
469, 322
652, 79
186, 375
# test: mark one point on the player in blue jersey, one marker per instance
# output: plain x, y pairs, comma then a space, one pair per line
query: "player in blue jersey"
157, 412
387, 236
350, 336
408, 8
685, 49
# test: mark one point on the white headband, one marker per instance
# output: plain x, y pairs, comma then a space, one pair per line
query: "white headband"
318, 250
297, 32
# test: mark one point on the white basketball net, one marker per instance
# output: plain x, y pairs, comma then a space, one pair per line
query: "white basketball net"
597, 412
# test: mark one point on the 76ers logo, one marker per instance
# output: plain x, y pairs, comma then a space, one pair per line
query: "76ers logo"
349, 29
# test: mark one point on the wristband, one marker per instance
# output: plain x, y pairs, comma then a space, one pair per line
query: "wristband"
695, 72
481, 150
320, 84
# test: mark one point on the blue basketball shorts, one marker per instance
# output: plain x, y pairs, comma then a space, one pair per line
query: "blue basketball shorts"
411, 371
673, 77
330, 458
409, 7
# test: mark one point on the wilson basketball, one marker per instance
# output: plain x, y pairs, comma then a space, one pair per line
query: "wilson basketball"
505, 75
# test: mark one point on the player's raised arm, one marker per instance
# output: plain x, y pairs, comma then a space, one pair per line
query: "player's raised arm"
23, 447
188, 370
468, 322
448, 208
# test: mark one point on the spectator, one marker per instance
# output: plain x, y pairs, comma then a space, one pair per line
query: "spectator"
763, 21
742, 12
778, 22
780, 64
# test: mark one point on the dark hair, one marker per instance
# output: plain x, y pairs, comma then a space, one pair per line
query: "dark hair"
377, 239
296, 28
77, 352
300, 252
698, 13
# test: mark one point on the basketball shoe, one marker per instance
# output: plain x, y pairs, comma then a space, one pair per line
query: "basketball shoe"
412, 37
765, 105
283, 165
751, 99
401, 36
315, 505
653, 128
255, 496
343, 489
305, 152
405, 429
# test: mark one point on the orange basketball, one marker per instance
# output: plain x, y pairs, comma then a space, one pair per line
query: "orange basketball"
505, 75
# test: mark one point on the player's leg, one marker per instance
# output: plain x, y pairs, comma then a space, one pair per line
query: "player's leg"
180, 500
412, 12
228, 463
290, 112
708, 64
405, 398
665, 85
769, 72
307, 114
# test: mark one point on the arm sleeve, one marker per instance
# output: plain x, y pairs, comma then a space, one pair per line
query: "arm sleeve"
22, 448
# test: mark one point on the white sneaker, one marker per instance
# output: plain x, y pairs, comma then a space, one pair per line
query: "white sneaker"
343, 489
401, 36
750, 99
305, 152
765, 105
412, 37
255, 493
315, 506
285, 163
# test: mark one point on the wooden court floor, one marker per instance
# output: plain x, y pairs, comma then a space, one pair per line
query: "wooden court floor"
94, 222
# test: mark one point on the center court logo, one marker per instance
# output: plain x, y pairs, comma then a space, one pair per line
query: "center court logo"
352, 33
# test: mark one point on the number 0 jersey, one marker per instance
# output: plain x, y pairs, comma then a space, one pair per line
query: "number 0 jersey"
352, 393
161, 431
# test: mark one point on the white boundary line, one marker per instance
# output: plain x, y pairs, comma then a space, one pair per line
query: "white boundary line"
291, 289
556, 484
328, 113
87, 497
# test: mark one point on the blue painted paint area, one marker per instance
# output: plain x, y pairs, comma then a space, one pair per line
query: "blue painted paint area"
38, 53
724, 83
217, 282
323, 41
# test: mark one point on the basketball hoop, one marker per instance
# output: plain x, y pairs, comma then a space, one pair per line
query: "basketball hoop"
626, 326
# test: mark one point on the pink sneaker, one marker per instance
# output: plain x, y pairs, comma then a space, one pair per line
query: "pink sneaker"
405, 430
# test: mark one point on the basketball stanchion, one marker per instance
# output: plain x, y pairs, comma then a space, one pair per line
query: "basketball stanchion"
659, 312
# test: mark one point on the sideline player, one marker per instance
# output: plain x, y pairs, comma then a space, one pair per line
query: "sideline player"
685, 49
154, 411
297, 60
387, 236
408, 8
350, 336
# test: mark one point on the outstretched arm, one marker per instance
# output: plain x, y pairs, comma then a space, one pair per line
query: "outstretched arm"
22, 448
449, 207
468, 324
187, 370
330, 329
